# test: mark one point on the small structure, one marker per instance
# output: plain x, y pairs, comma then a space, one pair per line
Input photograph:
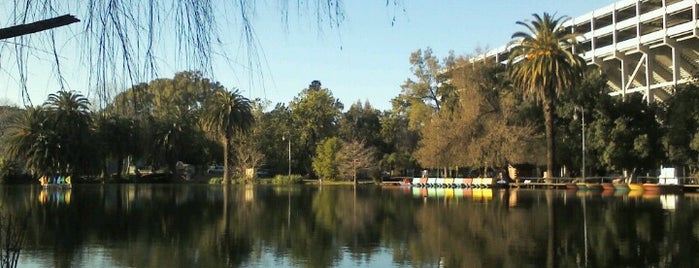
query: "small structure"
667, 176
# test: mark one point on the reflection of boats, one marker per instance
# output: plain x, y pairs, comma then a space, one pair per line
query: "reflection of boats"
607, 186
478, 194
55, 195
661, 188
635, 187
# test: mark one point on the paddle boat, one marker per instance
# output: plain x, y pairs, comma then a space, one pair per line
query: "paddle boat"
55, 182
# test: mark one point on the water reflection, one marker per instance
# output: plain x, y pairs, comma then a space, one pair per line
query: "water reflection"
215, 226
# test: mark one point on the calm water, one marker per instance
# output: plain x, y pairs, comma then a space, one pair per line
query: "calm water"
335, 226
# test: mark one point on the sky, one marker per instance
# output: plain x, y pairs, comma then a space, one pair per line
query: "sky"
365, 59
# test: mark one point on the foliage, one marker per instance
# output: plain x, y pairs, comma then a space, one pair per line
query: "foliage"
401, 142
361, 122
422, 97
542, 64
285, 179
226, 114
314, 116
325, 163
587, 98
627, 135
274, 134
117, 138
483, 130
681, 120
54, 138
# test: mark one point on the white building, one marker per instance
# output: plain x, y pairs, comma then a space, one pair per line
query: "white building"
645, 46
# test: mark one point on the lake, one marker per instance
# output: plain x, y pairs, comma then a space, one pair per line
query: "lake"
184, 225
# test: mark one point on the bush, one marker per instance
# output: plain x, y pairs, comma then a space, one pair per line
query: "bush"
285, 179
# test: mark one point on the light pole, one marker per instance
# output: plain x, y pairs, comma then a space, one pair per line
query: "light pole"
582, 111
289, 160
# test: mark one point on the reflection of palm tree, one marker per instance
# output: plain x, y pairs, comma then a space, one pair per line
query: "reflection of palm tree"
225, 114
542, 64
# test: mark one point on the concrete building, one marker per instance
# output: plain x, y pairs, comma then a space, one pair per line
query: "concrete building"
644, 46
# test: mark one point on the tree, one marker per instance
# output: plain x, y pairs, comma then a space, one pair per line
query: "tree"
627, 135
356, 160
167, 111
314, 116
485, 132
275, 135
32, 142
682, 121
325, 162
401, 141
361, 122
428, 93
55, 138
117, 138
71, 120
542, 64
225, 114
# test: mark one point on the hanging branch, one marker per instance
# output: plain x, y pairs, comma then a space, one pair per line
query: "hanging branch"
38, 26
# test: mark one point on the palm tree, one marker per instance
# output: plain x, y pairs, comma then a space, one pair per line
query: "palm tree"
227, 113
32, 142
542, 63
71, 120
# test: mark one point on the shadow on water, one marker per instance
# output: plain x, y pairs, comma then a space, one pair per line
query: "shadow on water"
139, 225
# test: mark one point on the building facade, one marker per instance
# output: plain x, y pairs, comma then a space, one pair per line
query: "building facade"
643, 46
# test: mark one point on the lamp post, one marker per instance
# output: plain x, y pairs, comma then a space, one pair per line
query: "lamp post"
289, 160
582, 111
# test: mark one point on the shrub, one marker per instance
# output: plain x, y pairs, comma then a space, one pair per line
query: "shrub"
285, 179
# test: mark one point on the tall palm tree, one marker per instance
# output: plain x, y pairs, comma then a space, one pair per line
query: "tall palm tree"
227, 113
542, 63
71, 120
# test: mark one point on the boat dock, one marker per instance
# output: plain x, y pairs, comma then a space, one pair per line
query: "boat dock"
687, 184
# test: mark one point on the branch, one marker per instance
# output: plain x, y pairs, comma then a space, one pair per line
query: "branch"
38, 26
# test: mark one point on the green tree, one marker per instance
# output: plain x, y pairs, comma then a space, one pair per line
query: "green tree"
542, 64
32, 142
361, 122
225, 114
428, 93
71, 121
325, 163
276, 135
167, 111
681, 120
117, 138
627, 135
401, 141
314, 116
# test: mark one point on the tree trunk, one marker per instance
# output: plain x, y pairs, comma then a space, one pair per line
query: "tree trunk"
549, 117
226, 163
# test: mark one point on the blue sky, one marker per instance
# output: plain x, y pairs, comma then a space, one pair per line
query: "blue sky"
365, 59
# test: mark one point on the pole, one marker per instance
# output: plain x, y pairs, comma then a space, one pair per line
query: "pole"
289, 159
583, 143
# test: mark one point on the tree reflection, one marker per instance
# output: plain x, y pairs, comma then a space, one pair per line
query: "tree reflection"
205, 226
